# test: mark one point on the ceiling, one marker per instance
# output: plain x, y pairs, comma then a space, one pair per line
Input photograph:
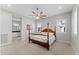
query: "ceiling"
48, 9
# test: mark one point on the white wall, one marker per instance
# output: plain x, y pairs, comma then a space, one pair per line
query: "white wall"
63, 37
6, 24
78, 30
75, 37
26, 21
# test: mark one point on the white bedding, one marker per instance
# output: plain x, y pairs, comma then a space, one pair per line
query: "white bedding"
43, 38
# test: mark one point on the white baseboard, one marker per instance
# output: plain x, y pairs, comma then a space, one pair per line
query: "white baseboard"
5, 44
23, 39
63, 41
74, 49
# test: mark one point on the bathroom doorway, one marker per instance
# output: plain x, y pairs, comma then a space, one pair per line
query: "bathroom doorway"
16, 28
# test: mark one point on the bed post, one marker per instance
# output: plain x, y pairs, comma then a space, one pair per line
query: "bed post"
29, 35
28, 28
55, 33
48, 36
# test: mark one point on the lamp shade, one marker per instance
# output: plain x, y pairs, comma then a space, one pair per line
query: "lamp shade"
28, 27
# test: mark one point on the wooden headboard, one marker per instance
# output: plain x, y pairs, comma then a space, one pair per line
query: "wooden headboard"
48, 30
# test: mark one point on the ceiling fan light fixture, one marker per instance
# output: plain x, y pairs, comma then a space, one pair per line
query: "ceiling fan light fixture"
37, 17
38, 14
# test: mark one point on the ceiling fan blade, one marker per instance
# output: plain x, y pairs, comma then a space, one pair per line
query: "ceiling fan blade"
43, 15
33, 12
37, 9
41, 12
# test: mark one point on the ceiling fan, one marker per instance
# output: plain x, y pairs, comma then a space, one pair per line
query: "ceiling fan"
38, 14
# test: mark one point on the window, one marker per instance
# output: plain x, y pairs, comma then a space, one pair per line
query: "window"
60, 25
75, 21
39, 27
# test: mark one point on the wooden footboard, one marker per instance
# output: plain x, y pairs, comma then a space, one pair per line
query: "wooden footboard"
46, 45
47, 30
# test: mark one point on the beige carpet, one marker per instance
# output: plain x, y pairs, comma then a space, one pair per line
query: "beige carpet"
23, 48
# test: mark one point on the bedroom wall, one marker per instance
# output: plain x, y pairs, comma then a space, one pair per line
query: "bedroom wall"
63, 37
78, 29
75, 37
5, 27
26, 21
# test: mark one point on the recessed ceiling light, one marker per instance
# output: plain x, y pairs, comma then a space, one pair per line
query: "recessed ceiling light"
59, 7
9, 5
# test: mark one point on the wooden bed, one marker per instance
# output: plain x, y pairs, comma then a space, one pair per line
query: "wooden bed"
46, 30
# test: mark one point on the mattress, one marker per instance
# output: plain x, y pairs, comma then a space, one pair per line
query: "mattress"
43, 38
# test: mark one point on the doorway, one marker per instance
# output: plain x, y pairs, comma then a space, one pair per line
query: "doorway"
16, 28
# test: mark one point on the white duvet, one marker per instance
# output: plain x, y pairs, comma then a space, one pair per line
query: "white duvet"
43, 38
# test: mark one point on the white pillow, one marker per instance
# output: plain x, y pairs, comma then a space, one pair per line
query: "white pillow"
44, 33
51, 33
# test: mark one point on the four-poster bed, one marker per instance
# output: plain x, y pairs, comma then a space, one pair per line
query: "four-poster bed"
45, 38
